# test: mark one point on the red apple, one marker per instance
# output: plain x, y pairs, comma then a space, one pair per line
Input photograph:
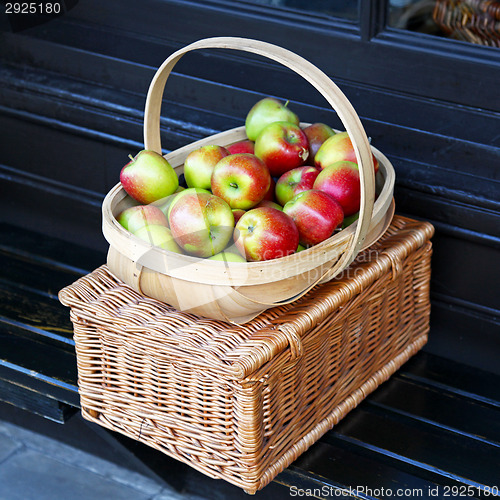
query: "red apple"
202, 224
338, 148
295, 181
317, 134
242, 180
265, 233
245, 146
148, 177
134, 218
166, 205
266, 111
282, 146
159, 236
316, 215
200, 163
237, 213
269, 203
270, 192
341, 181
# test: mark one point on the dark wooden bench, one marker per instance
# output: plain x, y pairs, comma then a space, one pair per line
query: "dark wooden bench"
432, 430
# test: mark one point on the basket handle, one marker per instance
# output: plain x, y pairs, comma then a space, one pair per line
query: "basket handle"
319, 80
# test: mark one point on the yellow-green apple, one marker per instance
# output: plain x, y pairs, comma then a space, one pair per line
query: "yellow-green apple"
341, 181
159, 236
246, 146
265, 233
338, 147
266, 111
316, 215
317, 133
282, 146
295, 181
164, 203
148, 177
134, 218
200, 163
241, 180
202, 224
228, 256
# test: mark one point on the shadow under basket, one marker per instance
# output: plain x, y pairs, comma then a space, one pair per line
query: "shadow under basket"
242, 402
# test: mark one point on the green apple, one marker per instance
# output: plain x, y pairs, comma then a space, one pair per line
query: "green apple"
164, 203
266, 111
134, 218
148, 177
159, 236
200, 163
350, 220
228, 256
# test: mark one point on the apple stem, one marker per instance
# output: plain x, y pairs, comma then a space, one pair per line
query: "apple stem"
131, 157
286, 103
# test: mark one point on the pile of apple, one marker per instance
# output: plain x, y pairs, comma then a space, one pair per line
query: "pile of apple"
283, 189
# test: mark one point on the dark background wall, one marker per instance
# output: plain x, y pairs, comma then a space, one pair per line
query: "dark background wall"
72, 93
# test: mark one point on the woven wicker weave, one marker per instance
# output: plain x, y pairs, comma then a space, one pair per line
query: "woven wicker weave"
241, 402
475, 21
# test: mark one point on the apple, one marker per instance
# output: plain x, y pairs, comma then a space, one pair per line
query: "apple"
134, 218
202, 224
237, 213
164, 203
270, 192
338, 148
168, 204
159, 236
242, 180
295, 181
265, 233
317, 133
228, 256
148, 177
200, 163
266, 111
245, 146
316, 215
269, 203
282, 146
350, 220
341, 181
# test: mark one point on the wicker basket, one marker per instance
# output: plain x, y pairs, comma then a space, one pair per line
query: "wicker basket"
239, 292
241, 402
475, 21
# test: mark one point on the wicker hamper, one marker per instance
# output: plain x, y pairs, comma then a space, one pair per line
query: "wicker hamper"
241, 402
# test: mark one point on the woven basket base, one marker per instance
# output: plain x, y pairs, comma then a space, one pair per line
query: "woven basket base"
338, 413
